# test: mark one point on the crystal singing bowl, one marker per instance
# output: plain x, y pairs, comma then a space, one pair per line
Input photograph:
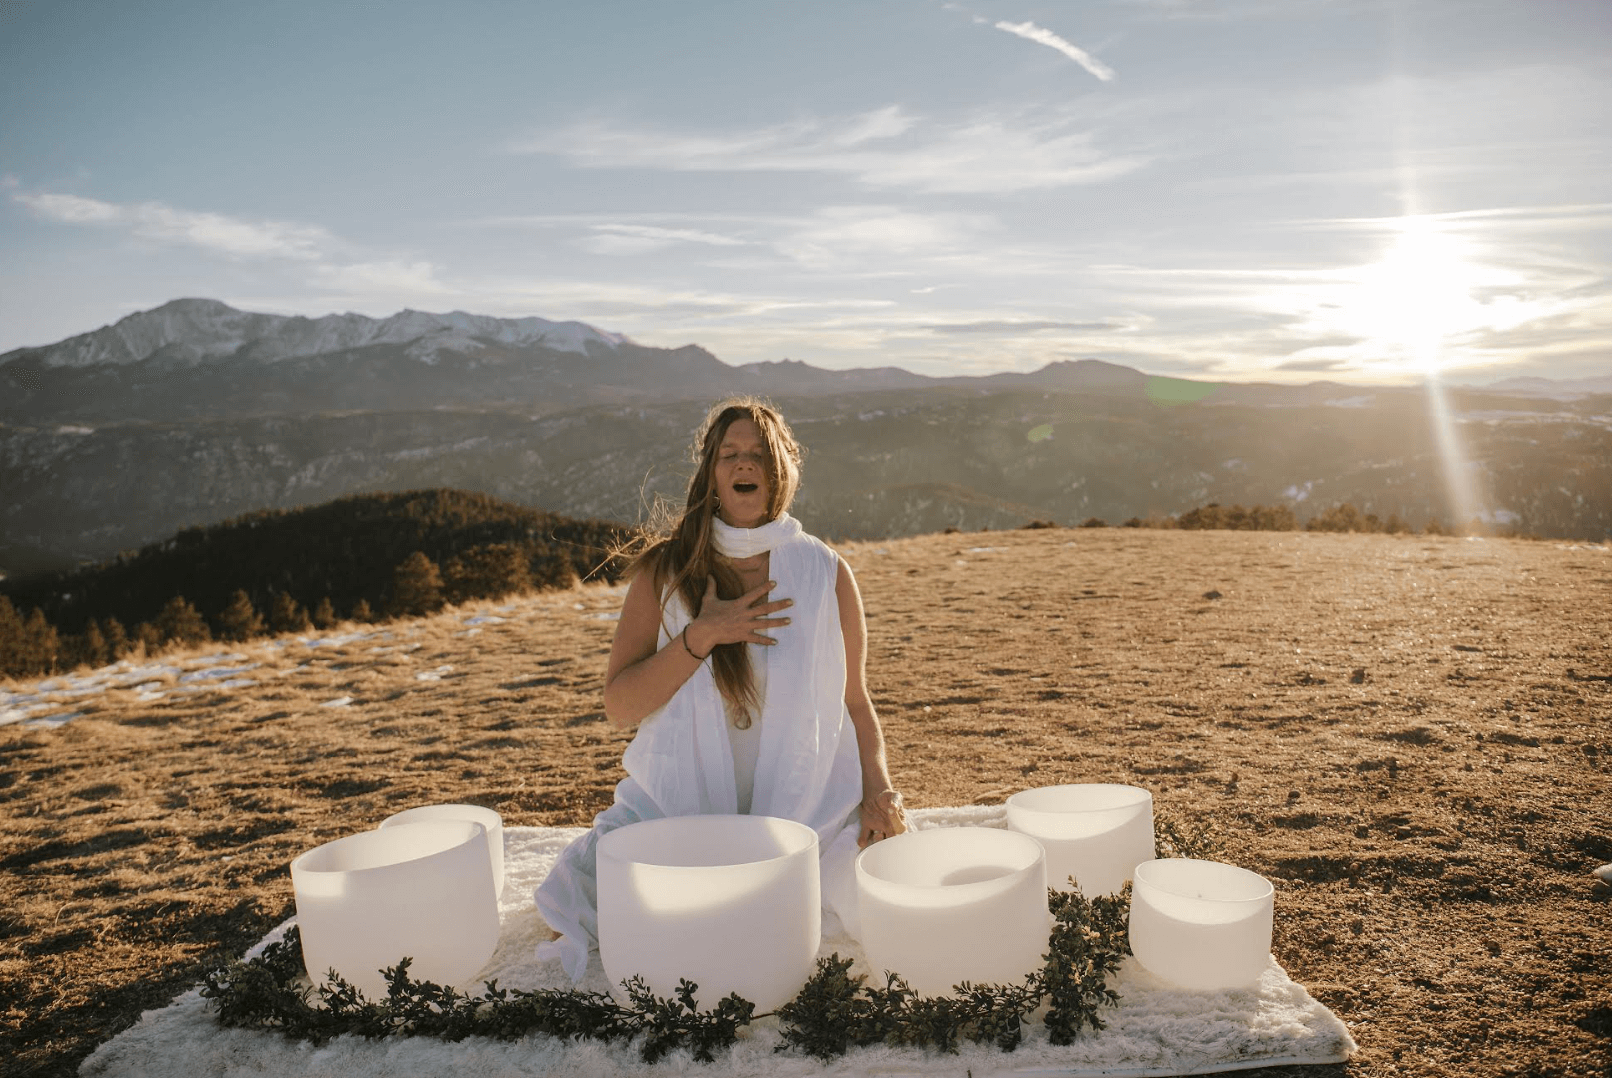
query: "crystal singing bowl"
954, 904
1096, 832
489, 819
1201, 924
732, 903
421, 890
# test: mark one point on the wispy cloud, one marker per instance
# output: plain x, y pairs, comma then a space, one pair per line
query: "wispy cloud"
157, 221
885, 148
998, 328
417, 280
836, 234
1042, 36
616, 238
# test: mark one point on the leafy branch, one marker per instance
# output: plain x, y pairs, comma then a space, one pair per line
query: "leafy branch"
832, 1013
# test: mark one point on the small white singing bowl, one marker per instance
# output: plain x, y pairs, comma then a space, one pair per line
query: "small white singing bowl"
1096, 832
420, 890
730, 902
1201, 924
954, 904
489, 819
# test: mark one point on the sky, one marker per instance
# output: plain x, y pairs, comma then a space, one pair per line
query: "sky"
1365, 191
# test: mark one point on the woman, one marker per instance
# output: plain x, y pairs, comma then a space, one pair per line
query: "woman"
740, 657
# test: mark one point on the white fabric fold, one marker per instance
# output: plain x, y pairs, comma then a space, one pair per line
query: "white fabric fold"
740, 543
681, 761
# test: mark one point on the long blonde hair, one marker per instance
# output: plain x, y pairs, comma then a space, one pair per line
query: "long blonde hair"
681, 555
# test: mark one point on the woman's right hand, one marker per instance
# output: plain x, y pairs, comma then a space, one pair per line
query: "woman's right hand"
735, 621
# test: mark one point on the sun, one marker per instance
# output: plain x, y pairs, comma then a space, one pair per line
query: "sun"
1414, 298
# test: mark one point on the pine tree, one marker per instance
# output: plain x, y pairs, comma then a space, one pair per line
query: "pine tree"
93, 648
239, 620
41, 644
488, 572
416, 586
324, 615
148, 638
117, 640
12, 647
555, 573
182, 623
287, 615
362, 612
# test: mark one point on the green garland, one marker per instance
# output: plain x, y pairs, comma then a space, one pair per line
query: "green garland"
833, 1013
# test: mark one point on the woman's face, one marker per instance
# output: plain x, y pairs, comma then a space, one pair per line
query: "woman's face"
741, 475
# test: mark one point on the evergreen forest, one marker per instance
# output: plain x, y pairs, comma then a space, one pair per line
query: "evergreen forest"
364, 557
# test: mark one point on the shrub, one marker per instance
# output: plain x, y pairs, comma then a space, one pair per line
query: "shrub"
488, 571
239, 620
416, 586
287, 615
181, 623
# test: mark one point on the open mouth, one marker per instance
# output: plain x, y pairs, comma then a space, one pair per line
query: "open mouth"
744, 488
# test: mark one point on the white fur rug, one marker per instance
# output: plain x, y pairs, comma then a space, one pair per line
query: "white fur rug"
1156, 1030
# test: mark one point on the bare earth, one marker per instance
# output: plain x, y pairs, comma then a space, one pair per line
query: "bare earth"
1410, 736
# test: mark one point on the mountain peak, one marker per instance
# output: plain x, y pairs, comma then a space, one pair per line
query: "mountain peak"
193, 330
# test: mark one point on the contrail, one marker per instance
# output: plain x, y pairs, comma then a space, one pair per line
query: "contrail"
1041, 36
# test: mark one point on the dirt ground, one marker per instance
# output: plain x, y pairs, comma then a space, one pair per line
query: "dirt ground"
1410, 736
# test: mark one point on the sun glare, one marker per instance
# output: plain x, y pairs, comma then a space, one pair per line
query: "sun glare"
1419, 294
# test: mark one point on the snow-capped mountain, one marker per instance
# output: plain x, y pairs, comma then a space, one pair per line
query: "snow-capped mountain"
189, 331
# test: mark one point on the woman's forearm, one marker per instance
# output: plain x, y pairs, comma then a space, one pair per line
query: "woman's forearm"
640, 690
870, 748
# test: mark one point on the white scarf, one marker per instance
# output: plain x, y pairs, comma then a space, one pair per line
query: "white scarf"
741, 543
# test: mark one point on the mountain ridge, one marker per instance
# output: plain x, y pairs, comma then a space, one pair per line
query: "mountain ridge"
203, 329
101, 458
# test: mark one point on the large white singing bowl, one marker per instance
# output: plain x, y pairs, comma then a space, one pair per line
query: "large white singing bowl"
1201, 924
1096, 832
489, 819
732, 903
954, 904
421, 890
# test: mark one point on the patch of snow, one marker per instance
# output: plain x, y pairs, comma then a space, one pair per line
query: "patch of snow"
18, 714
1350, 402
339, 640
1297, 493
215, 672
609, 615
485, 619
983, 550
52, 721
340, 701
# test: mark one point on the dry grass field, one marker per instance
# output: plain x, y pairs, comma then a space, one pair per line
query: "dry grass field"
1410, 736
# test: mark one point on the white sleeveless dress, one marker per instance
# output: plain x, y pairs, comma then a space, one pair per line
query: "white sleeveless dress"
799, 762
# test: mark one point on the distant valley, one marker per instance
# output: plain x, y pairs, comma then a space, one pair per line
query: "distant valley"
195, 412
